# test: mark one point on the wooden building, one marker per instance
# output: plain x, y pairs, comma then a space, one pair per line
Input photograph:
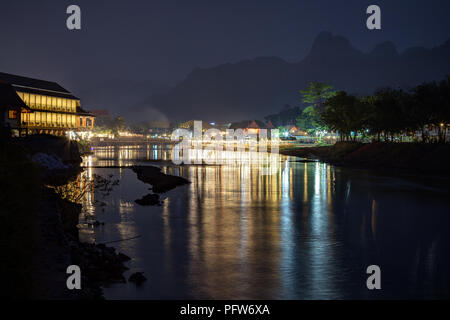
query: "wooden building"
47, 107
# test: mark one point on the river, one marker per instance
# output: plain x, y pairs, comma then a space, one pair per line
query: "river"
308, 230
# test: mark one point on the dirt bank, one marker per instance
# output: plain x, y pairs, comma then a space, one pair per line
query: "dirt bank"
414, 157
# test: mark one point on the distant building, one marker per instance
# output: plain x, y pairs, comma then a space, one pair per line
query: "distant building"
248, 126
295, 131
269, 125
44, 107
253, 127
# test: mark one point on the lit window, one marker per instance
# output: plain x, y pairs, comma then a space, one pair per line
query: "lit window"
12, 114
32, 100
44, 102
26, 98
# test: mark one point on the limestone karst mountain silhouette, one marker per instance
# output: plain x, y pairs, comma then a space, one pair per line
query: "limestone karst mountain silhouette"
257, 87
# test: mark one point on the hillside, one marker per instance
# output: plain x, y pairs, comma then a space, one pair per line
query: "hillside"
254, 88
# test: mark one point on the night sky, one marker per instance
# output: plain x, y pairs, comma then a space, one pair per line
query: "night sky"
164, 40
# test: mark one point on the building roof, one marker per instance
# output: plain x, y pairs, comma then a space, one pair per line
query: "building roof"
253, 125
83, 112
247, 124
9, 98
36, 86
269, 125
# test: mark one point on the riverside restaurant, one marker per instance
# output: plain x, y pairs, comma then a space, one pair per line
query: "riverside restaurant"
32, 106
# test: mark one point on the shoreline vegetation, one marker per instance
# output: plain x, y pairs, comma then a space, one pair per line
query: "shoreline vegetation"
421, 113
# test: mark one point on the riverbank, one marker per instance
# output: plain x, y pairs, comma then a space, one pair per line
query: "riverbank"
40, 237
411, 157
19, 181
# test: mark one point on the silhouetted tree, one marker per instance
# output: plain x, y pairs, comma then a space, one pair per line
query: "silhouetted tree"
385, 113
391, 113
287, 116
118, 124
345, 114
431, 103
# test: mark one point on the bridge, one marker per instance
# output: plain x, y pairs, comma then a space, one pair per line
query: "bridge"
128, 141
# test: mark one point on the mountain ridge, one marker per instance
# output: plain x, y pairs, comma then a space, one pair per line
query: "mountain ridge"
252, 88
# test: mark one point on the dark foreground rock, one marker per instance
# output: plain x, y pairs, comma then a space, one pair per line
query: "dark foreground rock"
160, 182
100, 265
67, 150
53, 249
41, 224
149, 200
123, 257
59, 157
137, 278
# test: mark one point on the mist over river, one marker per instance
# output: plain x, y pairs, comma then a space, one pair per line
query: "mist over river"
307, 231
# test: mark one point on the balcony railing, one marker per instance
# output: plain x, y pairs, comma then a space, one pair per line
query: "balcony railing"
26, 124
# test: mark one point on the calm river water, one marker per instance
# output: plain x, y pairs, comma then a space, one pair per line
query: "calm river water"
307, 231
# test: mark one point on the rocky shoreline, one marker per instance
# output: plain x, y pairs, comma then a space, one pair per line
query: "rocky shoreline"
100, 265
57, 218
59, 247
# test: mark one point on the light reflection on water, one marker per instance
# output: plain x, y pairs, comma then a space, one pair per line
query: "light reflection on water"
307, 232
126, 155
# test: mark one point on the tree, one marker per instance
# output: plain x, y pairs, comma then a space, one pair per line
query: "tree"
391, 113
345, 114
431, 102
444, 92
386, 113
287, 116
282, 131
308, 121
118, 124
315, 96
